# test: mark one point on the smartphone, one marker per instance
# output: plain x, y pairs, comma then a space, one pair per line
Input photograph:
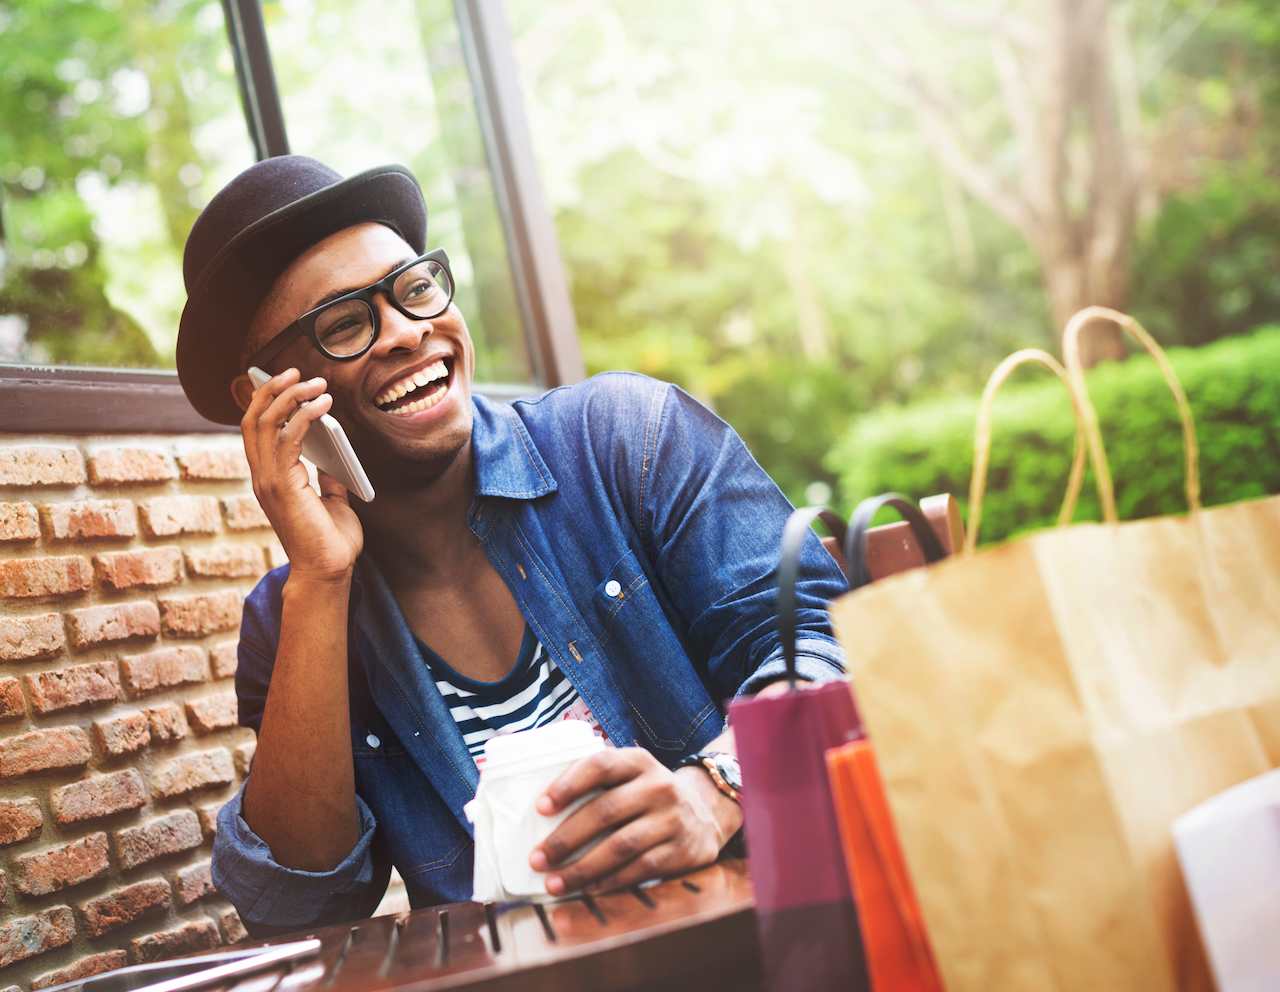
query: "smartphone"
326, 446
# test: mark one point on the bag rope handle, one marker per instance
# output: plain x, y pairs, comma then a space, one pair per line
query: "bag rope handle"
1097, 453
982, 442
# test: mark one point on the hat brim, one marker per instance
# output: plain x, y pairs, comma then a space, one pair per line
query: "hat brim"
216, 317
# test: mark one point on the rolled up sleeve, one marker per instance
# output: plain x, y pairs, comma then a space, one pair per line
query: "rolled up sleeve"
271, 898
817, 660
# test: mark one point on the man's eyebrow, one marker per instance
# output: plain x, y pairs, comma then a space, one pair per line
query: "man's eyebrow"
330, 297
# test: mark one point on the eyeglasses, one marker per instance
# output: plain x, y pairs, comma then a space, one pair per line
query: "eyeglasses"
345, 328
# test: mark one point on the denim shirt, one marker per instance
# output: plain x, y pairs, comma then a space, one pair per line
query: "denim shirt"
639, 538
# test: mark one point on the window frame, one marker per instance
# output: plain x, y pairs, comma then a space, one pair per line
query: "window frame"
79, 399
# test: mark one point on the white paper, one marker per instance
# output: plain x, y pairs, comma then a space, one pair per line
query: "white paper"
1229, 848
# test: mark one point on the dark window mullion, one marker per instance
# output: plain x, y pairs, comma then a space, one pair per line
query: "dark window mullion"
541, 285
263, 111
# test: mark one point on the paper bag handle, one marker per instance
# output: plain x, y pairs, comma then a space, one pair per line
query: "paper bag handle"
793, 535
1097, 453
982, 442
855, 549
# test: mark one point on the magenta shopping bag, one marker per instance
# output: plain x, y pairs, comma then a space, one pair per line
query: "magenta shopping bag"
807, 921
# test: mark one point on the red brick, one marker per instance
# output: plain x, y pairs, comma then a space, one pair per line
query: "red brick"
275, 554
89, 519
42, 872
233, 930
167, 723
87, 967
193, 883
191, 772
209, 819
223, 659
196, 616
123, 906
20, 819
158, 838
225, 561
139, 569
163, 668
76, 685
167, 516
44, 750
243, 513
96, 625
32, 578
199, 935
101, 795
122, 734
28, 936
18, 522
122, 466
209, 713
11, 704
41, 465
243, 756
23, 638
209, 463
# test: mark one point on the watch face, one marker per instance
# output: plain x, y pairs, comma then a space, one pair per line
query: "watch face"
727, 766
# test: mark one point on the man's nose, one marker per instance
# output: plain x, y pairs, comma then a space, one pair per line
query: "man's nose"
396, 331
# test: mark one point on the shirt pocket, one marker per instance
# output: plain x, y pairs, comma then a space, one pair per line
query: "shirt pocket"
624, 584
648, 660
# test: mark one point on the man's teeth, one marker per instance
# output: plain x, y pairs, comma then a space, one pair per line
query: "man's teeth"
411, 382
417, 406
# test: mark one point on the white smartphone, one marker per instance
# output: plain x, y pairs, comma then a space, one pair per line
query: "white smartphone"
326, 446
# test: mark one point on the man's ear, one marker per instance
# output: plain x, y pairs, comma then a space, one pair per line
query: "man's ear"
242, 390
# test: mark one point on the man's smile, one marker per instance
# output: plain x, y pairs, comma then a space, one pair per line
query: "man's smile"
416, 389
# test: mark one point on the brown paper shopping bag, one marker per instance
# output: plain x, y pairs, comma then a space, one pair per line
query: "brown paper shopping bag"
1043, 710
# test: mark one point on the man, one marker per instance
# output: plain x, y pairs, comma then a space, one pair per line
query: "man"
603, 551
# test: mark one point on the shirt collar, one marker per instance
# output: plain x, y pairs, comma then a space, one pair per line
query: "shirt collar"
506, 461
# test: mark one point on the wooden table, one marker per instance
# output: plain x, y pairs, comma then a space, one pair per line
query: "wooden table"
680, 934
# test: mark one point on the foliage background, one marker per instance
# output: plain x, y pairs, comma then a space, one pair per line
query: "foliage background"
741, 212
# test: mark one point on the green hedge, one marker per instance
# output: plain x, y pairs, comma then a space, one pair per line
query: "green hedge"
1234, 389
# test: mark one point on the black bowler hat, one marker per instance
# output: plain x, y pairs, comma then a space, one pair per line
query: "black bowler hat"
249, 233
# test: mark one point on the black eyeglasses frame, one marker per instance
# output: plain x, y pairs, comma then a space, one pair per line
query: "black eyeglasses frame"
306, 324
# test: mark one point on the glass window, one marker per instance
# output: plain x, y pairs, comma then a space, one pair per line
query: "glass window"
118, 121
368, 82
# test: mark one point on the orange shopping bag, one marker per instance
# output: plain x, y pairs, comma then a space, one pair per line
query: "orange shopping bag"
899, 958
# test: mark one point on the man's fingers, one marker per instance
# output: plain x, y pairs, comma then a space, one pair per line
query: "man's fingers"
632, 843
658, 862
605, 811
286, 403
602, 770
256, 448
290, 438
331, 488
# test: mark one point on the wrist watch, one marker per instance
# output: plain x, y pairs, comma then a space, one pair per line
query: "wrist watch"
722, 767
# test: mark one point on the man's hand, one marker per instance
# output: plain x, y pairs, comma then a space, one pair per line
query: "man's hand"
663, 822
321, 534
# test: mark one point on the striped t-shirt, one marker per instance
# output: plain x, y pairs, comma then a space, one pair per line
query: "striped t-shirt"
533, 694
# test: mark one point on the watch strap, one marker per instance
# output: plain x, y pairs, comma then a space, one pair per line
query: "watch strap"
709, 761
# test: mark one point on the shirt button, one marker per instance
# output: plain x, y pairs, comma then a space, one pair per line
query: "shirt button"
612, 588
372, 740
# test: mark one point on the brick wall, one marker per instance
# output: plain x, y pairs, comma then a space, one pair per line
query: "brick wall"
123, 564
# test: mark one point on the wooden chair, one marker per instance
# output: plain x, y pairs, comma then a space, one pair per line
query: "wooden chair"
893, 547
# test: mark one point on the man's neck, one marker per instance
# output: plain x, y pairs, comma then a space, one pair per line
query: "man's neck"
420, 534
